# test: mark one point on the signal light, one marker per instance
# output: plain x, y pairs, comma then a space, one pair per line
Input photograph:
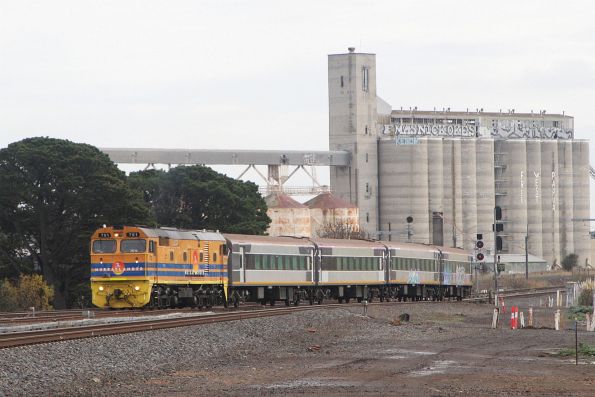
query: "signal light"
478, 247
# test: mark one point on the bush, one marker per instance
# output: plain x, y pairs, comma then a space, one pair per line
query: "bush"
569, 261
8, 296
586, 297
34, 292
29, 291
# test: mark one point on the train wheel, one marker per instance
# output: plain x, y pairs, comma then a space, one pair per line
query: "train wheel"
347, 300
175, 301
340, 299
287, 302
272, 302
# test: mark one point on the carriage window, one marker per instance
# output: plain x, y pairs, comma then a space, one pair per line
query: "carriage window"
104, 246
257, 259
133, 246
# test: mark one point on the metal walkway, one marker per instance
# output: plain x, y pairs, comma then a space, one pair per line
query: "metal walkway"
277, 161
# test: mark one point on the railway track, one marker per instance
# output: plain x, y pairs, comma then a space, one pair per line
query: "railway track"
61, 334
15, 339
519, 293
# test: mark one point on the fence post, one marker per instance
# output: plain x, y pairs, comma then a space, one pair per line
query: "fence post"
522, 318
557, 320
530, 317
495, 318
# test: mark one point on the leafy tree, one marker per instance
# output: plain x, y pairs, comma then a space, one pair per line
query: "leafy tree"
53, 195
569, 261
198, 197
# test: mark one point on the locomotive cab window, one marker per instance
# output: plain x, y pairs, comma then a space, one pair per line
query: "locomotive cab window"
133, 246
104, 246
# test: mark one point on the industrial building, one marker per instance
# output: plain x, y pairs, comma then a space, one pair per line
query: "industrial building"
447, 170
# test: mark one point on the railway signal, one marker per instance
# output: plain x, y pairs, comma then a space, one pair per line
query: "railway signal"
479, 255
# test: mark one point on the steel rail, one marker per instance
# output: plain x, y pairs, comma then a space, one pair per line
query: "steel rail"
61, 334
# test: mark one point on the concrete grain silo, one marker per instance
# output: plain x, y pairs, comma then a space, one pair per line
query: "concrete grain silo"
448, 170
288, 217
327, 209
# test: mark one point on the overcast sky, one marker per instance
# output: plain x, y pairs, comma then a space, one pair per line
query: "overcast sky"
253, 74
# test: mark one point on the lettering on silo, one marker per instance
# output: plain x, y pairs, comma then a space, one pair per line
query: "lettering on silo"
537, 190
522, 187
553, 191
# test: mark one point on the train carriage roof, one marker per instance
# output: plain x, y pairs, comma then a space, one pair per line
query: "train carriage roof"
178, 234
351, 243
268, 240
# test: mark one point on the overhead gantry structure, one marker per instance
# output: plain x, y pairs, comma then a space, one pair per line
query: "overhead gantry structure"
277, 162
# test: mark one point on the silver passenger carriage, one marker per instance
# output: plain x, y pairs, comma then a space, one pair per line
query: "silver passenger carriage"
270, 269
351, 269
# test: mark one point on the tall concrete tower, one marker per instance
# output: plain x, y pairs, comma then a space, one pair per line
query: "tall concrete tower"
352, 127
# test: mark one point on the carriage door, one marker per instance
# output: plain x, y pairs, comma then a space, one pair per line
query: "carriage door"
386, 261
152, 259
238, 273
316, 266
440, 259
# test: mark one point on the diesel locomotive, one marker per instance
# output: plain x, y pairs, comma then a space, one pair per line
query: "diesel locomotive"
134, 267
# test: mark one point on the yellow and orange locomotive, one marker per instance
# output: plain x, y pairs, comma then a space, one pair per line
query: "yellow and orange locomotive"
141, 266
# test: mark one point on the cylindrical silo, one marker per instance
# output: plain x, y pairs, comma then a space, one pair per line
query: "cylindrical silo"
404, 190
436, 190
580, 165
288, 217
534, 212
448, 189
515, 207
566, 199
468, 199
331, 216
484, 174
549, 201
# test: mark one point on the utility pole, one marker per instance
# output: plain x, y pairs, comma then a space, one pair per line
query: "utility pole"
527, 253
497, 226
495, 253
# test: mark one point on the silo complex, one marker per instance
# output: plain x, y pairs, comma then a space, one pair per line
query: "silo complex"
435, 176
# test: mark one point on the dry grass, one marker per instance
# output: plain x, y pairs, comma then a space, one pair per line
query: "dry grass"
518, 281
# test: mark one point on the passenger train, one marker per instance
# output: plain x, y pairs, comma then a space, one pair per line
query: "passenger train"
134, 267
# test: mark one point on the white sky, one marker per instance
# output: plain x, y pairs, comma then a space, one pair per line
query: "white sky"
253, 74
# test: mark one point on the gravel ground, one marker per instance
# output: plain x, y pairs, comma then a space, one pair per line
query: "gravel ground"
446, 349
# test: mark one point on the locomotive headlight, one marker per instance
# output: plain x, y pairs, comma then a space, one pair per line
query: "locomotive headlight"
101, 288
136, 288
